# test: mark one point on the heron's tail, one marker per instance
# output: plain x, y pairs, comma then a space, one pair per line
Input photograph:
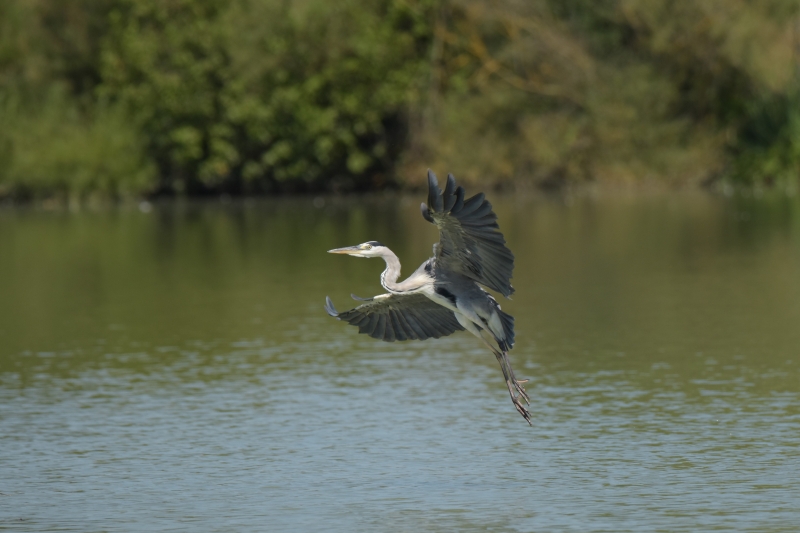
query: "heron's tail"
506, 322
508, 328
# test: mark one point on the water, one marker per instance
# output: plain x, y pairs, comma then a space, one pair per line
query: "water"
173, 370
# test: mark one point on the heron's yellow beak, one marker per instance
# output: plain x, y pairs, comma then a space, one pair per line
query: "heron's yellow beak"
349, 250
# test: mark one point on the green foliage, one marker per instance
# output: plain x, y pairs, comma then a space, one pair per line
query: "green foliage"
615, 90
260, 94
209, 96
735, 65
767, 148
251, 95
165, 62
55, 150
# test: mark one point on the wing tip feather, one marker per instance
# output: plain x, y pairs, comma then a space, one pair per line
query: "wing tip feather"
435, 200
329, 308
426, 214
432, 181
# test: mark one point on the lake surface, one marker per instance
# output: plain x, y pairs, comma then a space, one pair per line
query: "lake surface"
172, 368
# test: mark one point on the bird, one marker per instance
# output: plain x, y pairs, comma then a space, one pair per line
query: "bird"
445, 294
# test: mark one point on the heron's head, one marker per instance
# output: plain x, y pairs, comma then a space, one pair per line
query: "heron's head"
366, 249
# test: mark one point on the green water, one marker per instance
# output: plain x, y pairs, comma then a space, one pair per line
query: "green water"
173, 369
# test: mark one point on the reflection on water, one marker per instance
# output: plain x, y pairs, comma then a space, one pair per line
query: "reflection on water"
175, 370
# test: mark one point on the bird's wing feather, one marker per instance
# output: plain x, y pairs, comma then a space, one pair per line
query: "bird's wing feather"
469, 239
391, 317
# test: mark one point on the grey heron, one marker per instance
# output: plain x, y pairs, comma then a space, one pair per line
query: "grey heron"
444, 294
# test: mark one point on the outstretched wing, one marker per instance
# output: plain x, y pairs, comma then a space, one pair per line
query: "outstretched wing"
391, 317
469, 239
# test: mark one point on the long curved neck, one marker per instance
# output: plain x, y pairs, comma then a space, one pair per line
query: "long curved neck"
416, 282
392, 272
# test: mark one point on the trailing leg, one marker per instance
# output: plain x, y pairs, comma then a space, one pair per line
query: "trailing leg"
515, 388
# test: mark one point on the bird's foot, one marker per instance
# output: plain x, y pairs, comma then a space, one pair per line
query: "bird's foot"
521, 409
515, 386
518, 386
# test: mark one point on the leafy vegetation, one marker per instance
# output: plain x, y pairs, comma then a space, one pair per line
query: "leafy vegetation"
144, 97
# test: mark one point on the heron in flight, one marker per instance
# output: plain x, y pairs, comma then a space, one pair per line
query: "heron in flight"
444, 294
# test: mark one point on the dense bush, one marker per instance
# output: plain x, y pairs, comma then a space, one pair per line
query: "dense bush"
619, 90
131, 97
261, 94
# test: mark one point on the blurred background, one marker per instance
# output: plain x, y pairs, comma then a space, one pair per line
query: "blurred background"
131, 97
173, 171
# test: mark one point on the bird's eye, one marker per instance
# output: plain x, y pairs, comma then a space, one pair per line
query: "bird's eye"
368, 246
